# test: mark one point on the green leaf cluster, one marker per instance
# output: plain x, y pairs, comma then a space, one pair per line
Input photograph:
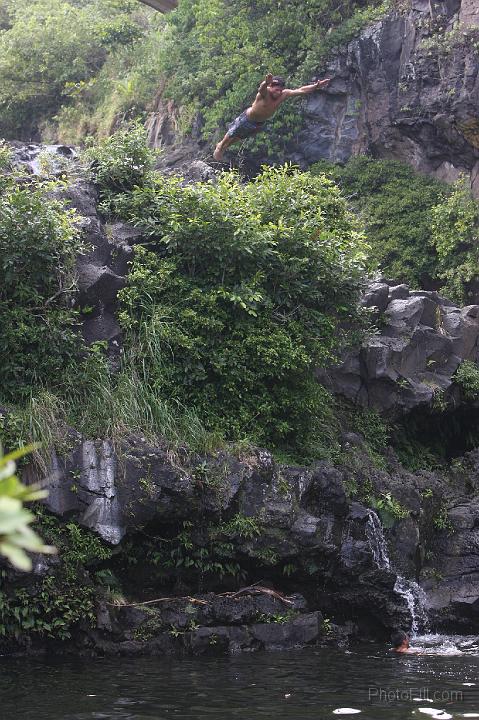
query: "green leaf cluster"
64, 599
467, 377
238, 293
389, 509
121, 161
39, 240
16, 537
455, 235
395, 204
52, 610
420, 230
46, 45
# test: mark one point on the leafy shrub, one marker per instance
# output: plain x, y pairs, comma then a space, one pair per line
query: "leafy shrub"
121, 161
395, 204
389, 509
467, 377
53, 610
455, 235
16, 537
66, 596
442, 521
38, 243
49, 46
241, 292
5, 156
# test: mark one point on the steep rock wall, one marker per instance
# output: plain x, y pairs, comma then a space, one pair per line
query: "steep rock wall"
408, 89
391, 96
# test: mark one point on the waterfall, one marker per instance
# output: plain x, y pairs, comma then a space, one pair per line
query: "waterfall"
377, 541
416, 599
412, 593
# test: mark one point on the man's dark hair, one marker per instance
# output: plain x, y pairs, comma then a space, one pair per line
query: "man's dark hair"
398, 637
278, 80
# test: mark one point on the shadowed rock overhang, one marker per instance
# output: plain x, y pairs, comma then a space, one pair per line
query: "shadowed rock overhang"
161, 5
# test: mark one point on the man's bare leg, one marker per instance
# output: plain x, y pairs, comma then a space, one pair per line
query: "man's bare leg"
224, 145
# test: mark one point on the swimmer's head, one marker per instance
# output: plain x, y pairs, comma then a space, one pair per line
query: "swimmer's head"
399, 639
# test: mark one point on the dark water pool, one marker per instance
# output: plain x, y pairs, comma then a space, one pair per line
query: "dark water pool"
296, 685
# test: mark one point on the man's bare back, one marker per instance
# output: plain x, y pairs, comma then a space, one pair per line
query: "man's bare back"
271, 93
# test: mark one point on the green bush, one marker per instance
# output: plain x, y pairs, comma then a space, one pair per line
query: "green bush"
38, 243
395, 204
240, 292
455, 235
121, 161
48, 47
5, 156
467, 377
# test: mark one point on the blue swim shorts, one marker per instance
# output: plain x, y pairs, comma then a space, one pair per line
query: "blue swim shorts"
243, 127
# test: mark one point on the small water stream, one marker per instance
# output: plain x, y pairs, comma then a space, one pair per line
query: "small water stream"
412, 593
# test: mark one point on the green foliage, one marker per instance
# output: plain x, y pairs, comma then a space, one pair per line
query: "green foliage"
65, 598
38, 244
372, 427
375, 432
441, 521
241, 526
467, 377
389, 509
5, 156
52, 611
414, 454
77, 546
326, 626
441, 43
395, 204
278, 618
122, 161
15, 534
49, 46
189, 555
241, 291
455, 235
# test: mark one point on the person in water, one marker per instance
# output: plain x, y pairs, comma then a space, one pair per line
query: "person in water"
400, 641
271, 93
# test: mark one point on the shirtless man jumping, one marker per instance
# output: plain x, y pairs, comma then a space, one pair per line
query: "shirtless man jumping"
271, 93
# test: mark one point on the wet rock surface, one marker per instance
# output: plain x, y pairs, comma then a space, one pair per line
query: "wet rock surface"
304, 520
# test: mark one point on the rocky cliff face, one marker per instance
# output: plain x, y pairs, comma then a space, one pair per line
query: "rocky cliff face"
406, 89
307, 530
311, 533
410, 363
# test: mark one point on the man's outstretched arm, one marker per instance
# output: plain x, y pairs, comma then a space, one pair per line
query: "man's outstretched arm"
263, 88
306, 89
